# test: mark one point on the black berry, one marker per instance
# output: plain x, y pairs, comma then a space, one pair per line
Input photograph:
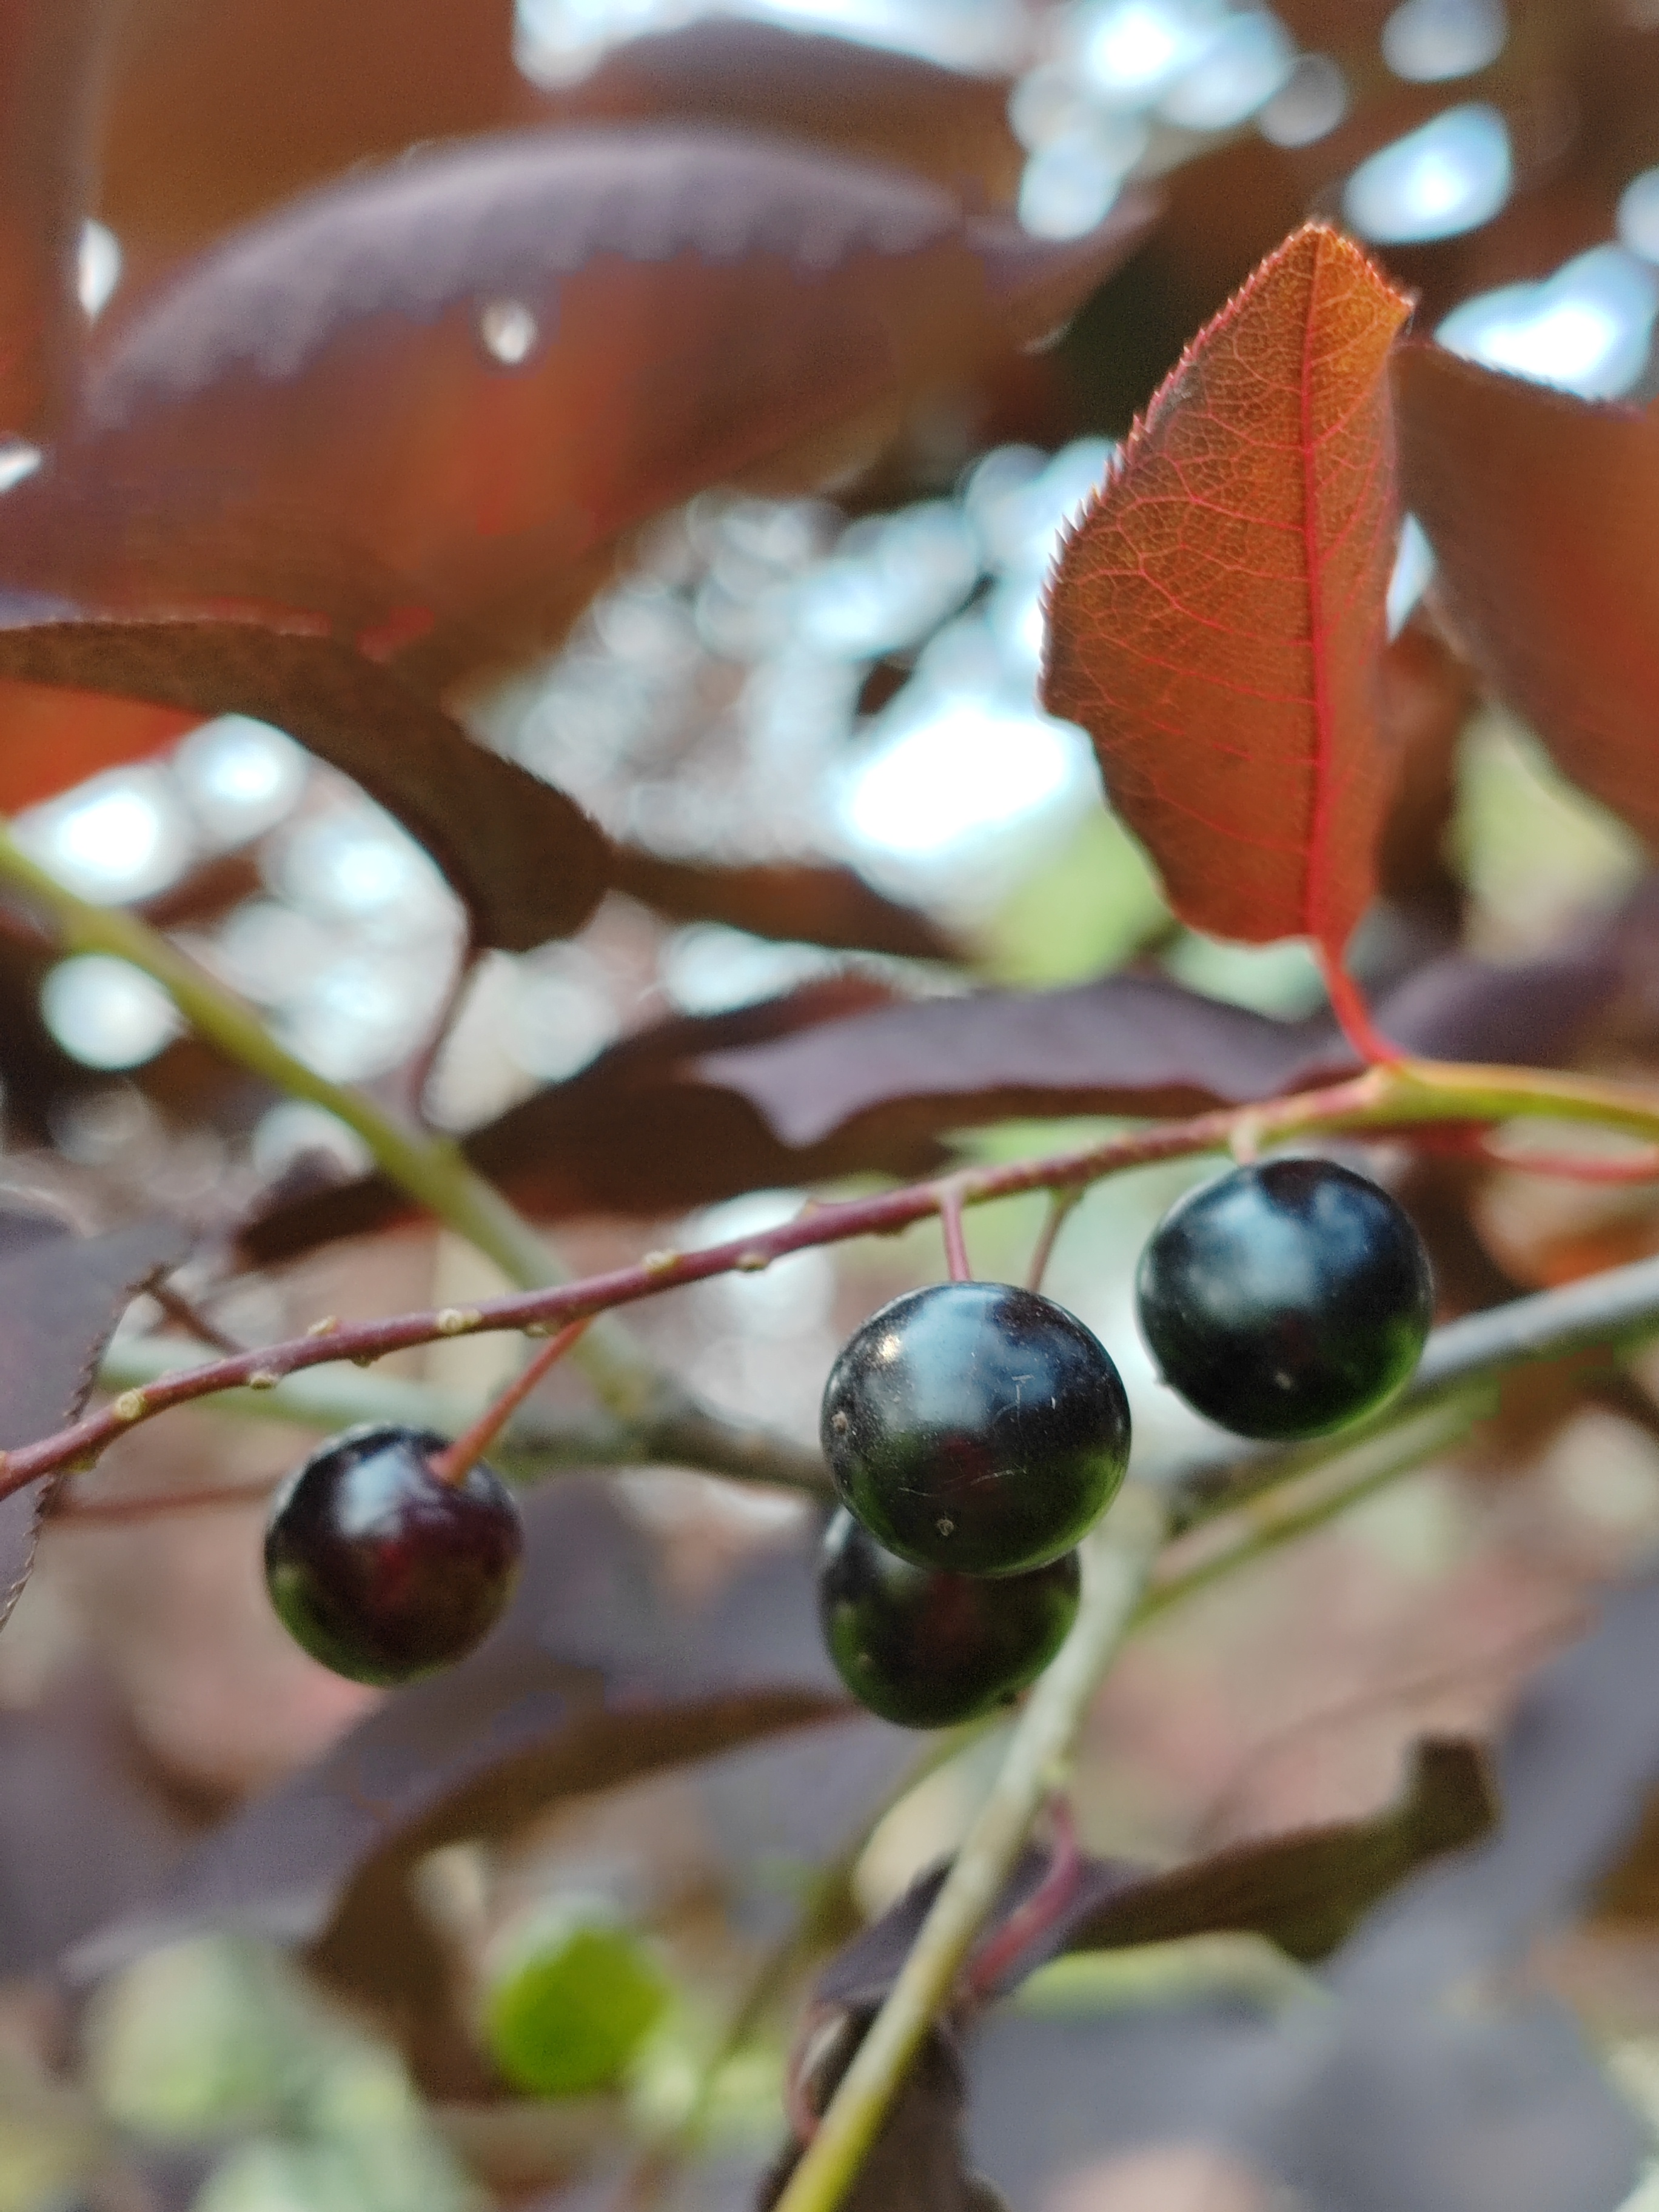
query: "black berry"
927, 1649
380, 1570
1286, 1299
976, 1427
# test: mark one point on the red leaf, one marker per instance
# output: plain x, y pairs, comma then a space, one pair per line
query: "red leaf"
1216, 616
527, 861
312, 416
785, 899
48, 51
1542, 510
218, 113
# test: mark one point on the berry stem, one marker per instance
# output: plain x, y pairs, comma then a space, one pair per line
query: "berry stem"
1118, 1559
1061, 1203
453, 1465
955, 1241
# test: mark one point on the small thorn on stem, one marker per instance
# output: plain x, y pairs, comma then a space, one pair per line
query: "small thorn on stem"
452, 1466
956, 1243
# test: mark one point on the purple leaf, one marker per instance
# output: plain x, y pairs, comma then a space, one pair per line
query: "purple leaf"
60, 1298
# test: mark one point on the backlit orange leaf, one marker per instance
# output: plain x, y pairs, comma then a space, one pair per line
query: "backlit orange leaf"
1217, 617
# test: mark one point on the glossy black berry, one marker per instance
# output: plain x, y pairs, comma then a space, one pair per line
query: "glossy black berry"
378, 1569
1286, 1299
927, 1648
976, 1427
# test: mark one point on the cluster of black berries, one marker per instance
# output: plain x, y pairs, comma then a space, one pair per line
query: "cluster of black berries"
976, 1431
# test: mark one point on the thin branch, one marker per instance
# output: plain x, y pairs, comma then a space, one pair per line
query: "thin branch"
1614, 1312
957, 1262
536, 1443
1117, 1561
1391, 1098
1062, 1204
434, 1171
1306, 1497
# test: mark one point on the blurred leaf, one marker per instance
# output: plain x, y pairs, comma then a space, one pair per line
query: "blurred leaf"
1305, 1892
1354, 2111
50, 51
60, 1298
599, 1674
1428, 697
1130, 1044
635, 1132
526, 861
1402, 2090
218, 112
790, 899
840, 92
82, 1833
1541, 509
1216, 619
1574, 1770
424, 402
799, 1089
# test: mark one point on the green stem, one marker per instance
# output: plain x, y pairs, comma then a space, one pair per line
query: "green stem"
1117, 1563
1411, 1092
1272, 1519
433, 1170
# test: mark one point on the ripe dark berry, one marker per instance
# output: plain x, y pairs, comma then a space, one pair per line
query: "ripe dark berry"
927, 1649
1286, 1299
975, 1427
380, 1570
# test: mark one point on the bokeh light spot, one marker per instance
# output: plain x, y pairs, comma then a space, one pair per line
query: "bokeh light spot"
1451, 176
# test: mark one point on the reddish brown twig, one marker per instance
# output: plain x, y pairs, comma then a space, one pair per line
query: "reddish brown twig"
957, 1262
1403, 1100
1061, 1203
470, 1447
